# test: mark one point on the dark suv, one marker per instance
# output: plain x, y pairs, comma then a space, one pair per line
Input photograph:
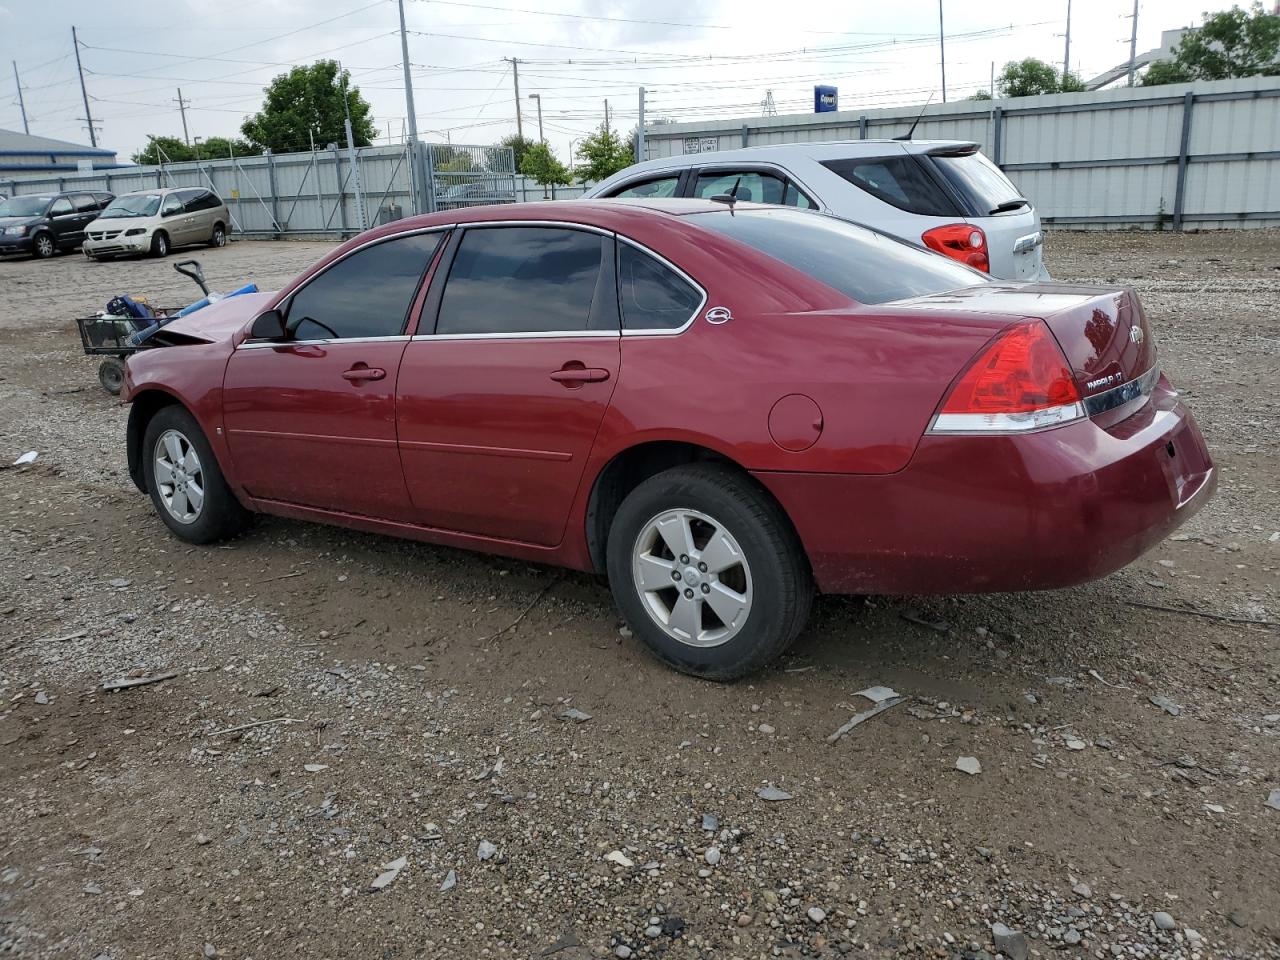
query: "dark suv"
44, 223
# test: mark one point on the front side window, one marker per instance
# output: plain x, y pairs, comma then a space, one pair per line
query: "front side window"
172, 204
653, 296
900, 181
866, 266
649, 189
524, 280
367, 294
61, 207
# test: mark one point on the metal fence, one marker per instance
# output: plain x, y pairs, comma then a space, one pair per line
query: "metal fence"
1203, 154
321, 194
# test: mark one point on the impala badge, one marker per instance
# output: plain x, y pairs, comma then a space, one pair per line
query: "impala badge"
1136, 334
718, 315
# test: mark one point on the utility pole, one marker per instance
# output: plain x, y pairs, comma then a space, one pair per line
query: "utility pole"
640, 131
408, 81
515, 76
1133, 43
21, 103
606, 116
1066, 54
88, 117
538, 97
942, 49
182, 108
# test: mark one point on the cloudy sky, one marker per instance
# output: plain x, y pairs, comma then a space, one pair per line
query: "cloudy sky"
697, 60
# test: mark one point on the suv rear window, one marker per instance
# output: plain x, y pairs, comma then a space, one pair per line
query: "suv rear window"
865, 266
981, 183
901, 181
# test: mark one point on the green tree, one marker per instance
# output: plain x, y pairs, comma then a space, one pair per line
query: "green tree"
1232, 43
1032, 77
306, 102
1165, 71
163, 150
541, 165
519, 147
980, 95
602, 154
220, 148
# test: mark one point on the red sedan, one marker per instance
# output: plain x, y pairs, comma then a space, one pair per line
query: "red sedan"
723, 407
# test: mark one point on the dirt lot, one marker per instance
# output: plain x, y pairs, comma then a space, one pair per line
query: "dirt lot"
404, 721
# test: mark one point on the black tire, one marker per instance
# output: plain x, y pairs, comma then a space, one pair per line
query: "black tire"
781, 584
221, 515
43, 245
160, 244
219, 236
111, 375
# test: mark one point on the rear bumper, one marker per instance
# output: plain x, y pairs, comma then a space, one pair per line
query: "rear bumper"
987, 514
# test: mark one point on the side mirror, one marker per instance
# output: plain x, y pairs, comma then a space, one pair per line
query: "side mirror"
269, 326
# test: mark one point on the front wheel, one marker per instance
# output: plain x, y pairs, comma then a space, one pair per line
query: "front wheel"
185, 481
160, 244
43, 246
708, 571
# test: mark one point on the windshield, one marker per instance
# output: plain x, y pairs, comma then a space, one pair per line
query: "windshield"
865, 266
133, 205
23, 206
979, 180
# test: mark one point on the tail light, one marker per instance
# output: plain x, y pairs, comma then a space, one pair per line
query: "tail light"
962, 242
1021, 381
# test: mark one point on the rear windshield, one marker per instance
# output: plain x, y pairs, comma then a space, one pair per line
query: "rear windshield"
864, 265
978, 180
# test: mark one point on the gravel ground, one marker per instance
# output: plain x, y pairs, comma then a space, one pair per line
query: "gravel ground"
373, 748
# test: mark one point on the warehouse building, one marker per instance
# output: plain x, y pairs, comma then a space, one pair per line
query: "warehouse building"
22, 153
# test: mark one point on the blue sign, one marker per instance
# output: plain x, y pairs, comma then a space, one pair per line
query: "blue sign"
825, 99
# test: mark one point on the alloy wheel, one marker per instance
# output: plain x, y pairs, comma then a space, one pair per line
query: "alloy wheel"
44, 245
693, 577
179, 477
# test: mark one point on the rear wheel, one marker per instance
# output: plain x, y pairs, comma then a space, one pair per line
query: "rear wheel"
219, 238
185, 481
160, 244
43, 246
708, 572
111, 375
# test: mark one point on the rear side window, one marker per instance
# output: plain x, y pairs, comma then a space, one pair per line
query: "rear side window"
653, 296
752, 185
85, 203
204, 200
523, 280
865, 266
899, 181
662, 187
367, 294
982, 184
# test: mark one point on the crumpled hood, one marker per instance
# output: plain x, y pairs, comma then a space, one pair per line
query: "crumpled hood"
220, 321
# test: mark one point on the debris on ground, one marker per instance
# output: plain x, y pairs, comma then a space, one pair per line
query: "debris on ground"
969, 765
389, 873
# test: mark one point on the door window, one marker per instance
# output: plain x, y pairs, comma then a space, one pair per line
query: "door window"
367, 294
204, 200
662, 187
172, 204
898, 181
526, 280
653, 296
85, 203
753, 186
61, 207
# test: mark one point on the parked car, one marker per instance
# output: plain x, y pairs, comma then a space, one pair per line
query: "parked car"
43, 224
469, 190
721, 406
941, 194
156, 221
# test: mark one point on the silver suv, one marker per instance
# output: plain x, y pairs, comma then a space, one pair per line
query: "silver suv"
940, 194
156, 221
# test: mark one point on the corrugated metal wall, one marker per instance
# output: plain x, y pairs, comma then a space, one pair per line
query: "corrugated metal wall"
1109, 158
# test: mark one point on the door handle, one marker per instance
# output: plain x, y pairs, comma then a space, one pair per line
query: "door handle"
575, 376
356, 374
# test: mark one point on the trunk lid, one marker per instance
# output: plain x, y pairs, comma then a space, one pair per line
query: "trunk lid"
1102, 332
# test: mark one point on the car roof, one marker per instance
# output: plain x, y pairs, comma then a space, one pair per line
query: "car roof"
816, 150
